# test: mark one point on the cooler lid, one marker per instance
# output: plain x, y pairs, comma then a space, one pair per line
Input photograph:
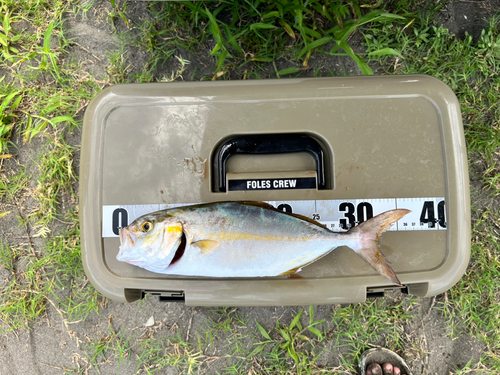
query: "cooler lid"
338, 151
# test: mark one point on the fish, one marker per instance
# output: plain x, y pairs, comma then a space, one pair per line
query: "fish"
244, 239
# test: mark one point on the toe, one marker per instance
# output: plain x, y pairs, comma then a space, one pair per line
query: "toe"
387, 369
373, 369
397, 371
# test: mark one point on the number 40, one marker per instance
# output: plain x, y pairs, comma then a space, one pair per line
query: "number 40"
427, 216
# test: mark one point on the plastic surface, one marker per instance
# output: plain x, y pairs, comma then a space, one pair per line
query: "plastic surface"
384, 137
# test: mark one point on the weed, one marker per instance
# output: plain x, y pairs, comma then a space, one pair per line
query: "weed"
476, 312
118, 11
8, 36
470, 69
156, 354
56, 165
228, 329
118, 69
112, 343
178, 72
293, 341
9, 101
253, 31
22, 301
57, 274
8, 256
11, 186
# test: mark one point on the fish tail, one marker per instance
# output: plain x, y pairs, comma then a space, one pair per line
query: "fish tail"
370, 232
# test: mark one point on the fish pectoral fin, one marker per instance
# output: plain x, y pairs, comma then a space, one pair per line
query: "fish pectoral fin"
206, 246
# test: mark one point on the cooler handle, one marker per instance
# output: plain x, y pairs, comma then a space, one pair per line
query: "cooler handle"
270, 144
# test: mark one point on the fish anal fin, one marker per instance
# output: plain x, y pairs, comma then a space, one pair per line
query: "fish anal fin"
299, 268
206, 246
290, 272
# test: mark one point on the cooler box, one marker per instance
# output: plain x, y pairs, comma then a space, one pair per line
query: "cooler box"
338, 150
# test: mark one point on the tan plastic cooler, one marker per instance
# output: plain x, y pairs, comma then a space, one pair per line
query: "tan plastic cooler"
338, 150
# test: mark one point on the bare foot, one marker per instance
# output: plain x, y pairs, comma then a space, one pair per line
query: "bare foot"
385, 369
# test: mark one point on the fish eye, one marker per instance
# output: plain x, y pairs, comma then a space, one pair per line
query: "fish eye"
147, 226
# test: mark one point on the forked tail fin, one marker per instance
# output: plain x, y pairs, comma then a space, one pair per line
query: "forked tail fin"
370, 232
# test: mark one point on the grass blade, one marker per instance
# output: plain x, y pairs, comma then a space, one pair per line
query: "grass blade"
292, 353
261, 25
316, 331
288, 71
214, 28
46, 38
365, 69
315, 44
295, 320
385, 51
263, 331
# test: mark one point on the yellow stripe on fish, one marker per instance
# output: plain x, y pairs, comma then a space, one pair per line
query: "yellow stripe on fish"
243, 236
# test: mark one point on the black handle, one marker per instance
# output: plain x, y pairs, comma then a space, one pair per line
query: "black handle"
270, 144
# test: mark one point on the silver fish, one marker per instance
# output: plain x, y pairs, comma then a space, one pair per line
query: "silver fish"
244, 239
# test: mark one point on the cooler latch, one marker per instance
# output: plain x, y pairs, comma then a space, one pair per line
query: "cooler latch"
380, 291
167, 296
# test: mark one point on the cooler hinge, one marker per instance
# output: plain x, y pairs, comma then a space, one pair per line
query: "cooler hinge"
380, 291
167, 296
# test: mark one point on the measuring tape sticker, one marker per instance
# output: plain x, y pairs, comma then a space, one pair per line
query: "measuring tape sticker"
337, 215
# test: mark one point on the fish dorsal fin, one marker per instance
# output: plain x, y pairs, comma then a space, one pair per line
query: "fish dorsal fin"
268, 206
259, 204
206, 246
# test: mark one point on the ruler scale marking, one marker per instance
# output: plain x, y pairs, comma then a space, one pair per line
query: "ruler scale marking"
337, 215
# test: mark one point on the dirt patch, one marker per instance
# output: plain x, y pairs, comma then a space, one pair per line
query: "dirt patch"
471, 17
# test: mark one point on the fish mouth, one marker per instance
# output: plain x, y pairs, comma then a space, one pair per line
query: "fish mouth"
127, 239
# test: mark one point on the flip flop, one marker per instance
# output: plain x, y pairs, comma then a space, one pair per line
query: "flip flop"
380, 356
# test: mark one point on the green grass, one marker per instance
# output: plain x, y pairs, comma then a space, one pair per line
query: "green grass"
55, 275
246, 34
34, 44
10, 100
247, 40
470, 68
56, 164
473, 305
